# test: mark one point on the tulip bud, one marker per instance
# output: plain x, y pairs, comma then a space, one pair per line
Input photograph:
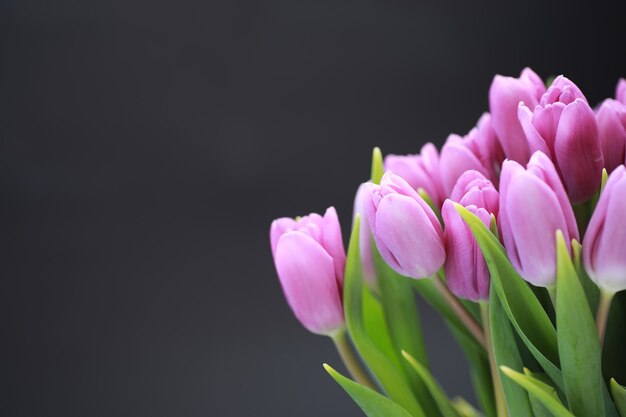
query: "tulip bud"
564, 127
604, 245
467, 274
473, 188
406, 230
620, 91
533, 206
420, 171
310, 260
505, 94
479, 150
611, 118
365, 238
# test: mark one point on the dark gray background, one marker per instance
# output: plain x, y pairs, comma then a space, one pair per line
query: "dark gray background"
146, 146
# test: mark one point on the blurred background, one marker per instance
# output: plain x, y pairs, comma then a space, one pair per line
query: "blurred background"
146, 147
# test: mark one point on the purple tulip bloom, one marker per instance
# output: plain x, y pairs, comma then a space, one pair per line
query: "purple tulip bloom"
467, 274
479, 150
611, 118
406, 230
505, 95
533, 206
310, 261
604, 246
420, 171
564, 127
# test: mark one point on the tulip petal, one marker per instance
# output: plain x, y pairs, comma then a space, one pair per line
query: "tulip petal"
577, 151
620, 91
332, 241
307, 275
534, 221
278, 228
406, 238
456, 158
611, 118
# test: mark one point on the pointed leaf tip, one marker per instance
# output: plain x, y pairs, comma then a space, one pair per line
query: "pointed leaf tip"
378, 168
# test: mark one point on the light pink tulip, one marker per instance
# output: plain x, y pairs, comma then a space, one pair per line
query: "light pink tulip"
310, 260
420, 171
604, 245
478, 150
564, 127
406, 230
505, 95
533, 206
611, 118
467, 274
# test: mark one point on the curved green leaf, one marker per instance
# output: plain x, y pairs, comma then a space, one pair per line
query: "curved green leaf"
372, 403
393, 381
519, 302
440, 397
378, 168
541, 391
579, 346
506, 353
619, 396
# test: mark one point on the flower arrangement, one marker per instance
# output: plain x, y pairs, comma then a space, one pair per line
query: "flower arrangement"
515, 233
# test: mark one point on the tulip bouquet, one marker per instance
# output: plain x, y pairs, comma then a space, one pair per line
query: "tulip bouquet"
515, 233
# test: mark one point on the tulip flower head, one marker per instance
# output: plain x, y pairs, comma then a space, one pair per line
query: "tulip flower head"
505, 95
564, 127
533, 206
467, 274
479, 150
406, 230
310, 261
611, 119
420, 171
604, 245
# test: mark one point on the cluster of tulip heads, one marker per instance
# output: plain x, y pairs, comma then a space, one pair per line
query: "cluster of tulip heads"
543, 166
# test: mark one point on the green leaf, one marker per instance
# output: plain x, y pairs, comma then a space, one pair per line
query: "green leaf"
464, 408
376, 327
619, 396
539, 410
378, 168
393, 381
519, 302
403, 322
539, 390
372, 403
579, 346
506, 353
440, 397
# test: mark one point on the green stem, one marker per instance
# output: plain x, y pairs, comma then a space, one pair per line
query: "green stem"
602, 316
351, 361
467, 319
501, 410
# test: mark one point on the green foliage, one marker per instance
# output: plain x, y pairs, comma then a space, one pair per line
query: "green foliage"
372, 403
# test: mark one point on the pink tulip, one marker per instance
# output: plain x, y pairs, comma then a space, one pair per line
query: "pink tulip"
564, 127
420, 171
505, 95
472, 188
533, 206
478, 150
467, 274
620, 91
611, 118
365, 237
604, 245
310, 260
406, 230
